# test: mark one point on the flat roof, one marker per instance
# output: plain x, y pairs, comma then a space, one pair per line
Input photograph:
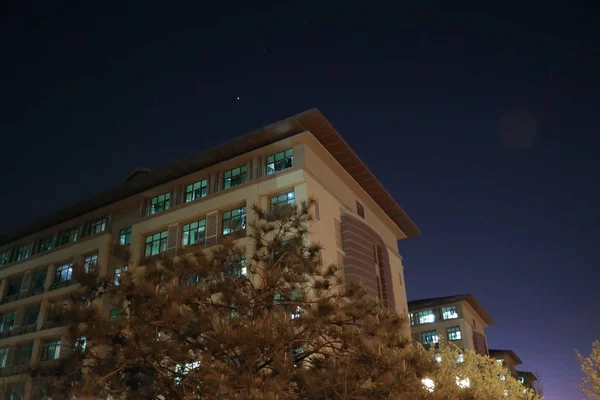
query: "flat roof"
311, 120
437, 301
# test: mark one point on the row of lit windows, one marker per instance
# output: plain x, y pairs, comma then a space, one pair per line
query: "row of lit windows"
429, 316
23, 251
430, 337
233, 177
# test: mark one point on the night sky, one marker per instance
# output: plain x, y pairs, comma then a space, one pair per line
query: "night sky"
482, 123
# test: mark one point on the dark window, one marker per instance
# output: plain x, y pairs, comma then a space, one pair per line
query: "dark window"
17, 391
193, 233
235, 176
196, 190
429, 337
237, 267
63, 273
115, 315
3, 357
89, 263
234, 220
14, 286
280, 161
449, 312
125, 236
4, 258
454, 333
160, 203
51, 350
156, 243
46, 244
31, 315
317, 214
21, 252
7, 321
38, 279
282, 199
360, 210
97, 225
68, 236
23, 355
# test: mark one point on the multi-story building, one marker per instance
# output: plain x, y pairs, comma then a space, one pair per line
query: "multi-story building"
460, 319
198, 203
510, 360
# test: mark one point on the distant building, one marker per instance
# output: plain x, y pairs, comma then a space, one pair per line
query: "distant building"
460, 319
510, 360
195, 204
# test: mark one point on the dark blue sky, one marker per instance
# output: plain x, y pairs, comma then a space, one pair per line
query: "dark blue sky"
419, 93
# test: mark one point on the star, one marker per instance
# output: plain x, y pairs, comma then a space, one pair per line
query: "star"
238, 97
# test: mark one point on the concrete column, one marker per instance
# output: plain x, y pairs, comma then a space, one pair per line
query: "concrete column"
49, 276
42, 315
28, 392
36, 352
3, 287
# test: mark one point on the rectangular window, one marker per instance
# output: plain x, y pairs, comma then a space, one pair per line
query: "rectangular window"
429, 337
3, 357
193, 233
237, 267
38, 279
89, 263
4, 258
23, 355
426, 317
51, 350
46, 244
234, 220
63, 273
317, 213
449, 312
400, 278
97, 225
235, 177
17, 391
280, 161
454, 333
14, 286
68, 236
115, 315
118, 273
156, 244
281, 200
7, 321
31, 315
160, 203
125, 236
360, 210
21, 252
196, 190
411, 317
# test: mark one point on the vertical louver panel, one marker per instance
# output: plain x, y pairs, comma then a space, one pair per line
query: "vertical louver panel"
212, 223
259, 167
172, 240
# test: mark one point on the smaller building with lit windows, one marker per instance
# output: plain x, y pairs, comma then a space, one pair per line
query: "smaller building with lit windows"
510, 360
459, 319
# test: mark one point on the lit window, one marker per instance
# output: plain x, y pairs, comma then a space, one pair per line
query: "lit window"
196, 190
499, 361
502, 377
80, 344
454, 333
280, 161
461, 358
237, 267
51, 350
125, 236
234, 220
118, 273
97, 225
68, 236
90, 262
63, 273
428, 383
438, 358
4, 258
411, 316
426, 317
235, 176
282, 199
45, 244
360, 210
449, 312
156, 244
429, 337
3, 357
21, 252
160, 203
193, 233
522, 380
463, 383
7, 321
506, 392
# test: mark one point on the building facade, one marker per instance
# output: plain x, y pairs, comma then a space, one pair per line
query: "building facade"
510, 360
198, 203
460, 319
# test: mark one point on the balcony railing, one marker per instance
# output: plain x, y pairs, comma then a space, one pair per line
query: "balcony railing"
61, 284
53, 324
29, 293
18, 330
14, 370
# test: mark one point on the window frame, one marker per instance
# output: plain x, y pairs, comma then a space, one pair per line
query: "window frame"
447, 313
68, 236
48, 344
274, 165
195, 193
159, 240
45, 244
242, 216
21, 252
360, 209
156, 206
96, 225
282, 199
88, 260
125, 236
68, 266
3, 320
5, 258
451, 333
423, 314
432, 334
190, 231
242, 174
25, 313
19, 355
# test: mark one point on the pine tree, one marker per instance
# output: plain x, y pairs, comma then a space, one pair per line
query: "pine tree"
590, 366
208, 325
